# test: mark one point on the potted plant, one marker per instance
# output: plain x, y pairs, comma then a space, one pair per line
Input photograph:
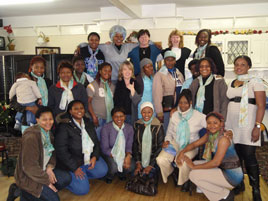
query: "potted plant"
5, 117
10, 45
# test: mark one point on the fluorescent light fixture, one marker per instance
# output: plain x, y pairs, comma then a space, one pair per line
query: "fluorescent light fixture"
17, 2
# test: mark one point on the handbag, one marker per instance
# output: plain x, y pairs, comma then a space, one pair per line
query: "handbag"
143, 184
168, 103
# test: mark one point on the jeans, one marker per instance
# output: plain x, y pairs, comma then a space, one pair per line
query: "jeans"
63, 179
166, 121
101, 124
30, 117
81, 186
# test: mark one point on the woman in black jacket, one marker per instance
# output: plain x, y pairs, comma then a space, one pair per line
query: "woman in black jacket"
77, 148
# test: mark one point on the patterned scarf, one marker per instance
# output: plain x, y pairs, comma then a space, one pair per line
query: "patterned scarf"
41, 83
118, 150
209, 147
67, 94
87, 143
146, 143
109, 102
183, 129
200, 52
200, 96
48, 147
82, 79
92, 63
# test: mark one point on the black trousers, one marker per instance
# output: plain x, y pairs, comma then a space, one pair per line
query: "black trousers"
246, 153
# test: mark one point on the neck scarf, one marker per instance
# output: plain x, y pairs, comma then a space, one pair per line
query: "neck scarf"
183, 129
200, 96
109, 102
146, 143
209, 147
118, 150
67, 94
200, 52
48, 147
92, 63
87, 143
41, 83
82, 79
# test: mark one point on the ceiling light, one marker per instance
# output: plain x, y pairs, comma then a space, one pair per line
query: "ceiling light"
16, 2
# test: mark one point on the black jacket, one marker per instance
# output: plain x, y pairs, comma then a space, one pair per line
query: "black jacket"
68, 143
158, 137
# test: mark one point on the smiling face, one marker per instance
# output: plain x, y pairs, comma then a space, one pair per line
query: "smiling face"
79, 66
214, 124
241, 66
93, 42
38, 69
45, 121
144, 40
205, 69
147, 113
119, 118
203, 38
175, 40
106, 73
126, 72
170, 62
148, 69
77, 111
183, 104
118, 39
65, 74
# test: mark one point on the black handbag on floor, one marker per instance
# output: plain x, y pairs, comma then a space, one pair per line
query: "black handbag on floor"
143, 184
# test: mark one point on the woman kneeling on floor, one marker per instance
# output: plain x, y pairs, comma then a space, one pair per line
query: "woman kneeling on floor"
221, 171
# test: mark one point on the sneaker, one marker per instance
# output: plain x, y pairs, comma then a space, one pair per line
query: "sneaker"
198, 190
17, 126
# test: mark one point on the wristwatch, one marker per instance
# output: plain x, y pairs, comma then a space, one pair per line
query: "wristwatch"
258, 125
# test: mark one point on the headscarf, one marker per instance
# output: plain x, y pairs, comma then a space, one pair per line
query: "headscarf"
118, 150
200, 96
87, 143
92, 63
200, 52
117, 29
109, 102
41, 83
67, 94
82, 78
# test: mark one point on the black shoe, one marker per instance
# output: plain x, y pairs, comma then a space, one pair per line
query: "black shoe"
13, 192
230, 197
186, 186
122, 178
174, 175
108, 180
239, 188
254, 181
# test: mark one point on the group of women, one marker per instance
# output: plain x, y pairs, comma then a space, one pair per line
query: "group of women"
111, 117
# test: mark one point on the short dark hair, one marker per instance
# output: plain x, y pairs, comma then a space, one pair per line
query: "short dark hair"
118, 109
77, 58
71, 104
211, 63
216, 115
187, 94
246, 58
65, 64
41, 110
93, 34
193, 62
142, 32
198, 35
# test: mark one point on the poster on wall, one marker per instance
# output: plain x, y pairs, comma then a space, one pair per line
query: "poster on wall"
47, 50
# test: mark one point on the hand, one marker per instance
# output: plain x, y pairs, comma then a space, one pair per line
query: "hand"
138, 168
32, 109
255, 135
79, 173
40, 101
127, 161
147, 170
95, 120
172, 111
180, 158
92, 163
229, 134
189, 162
165, 144
51, 175
161, 118
108, 43
77, 51
131, 88
52, 187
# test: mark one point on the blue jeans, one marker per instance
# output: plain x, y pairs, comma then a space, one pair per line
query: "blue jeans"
166, 121
63, 179
81, 186
101, 124
30, 117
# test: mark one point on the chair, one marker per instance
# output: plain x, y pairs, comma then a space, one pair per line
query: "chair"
4, 154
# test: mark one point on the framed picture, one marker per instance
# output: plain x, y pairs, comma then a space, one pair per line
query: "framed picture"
47, 50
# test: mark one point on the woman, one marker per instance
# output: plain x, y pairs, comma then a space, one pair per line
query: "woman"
78, 148
145, 82
35, 174
79, 75
92, 55
206, 49
127, 92
37, 73
65, 90
194, 72
209, 91
144, 50
166, 88
175, 44
148, 140
116, 145
183, 129
221, 171
100, 97
245, 114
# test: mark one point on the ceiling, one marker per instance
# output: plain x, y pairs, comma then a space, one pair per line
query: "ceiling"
76, 6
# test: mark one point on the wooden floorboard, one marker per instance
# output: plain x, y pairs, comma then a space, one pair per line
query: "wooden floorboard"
100, 191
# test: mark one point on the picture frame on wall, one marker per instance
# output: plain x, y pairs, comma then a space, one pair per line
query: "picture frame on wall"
47, 50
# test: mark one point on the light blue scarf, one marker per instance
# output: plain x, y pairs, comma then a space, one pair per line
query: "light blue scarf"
146, 143
200, 96
109, 102
82, 79
183, 129
118, 150
41, 83
67, 94
200, 52
92, 63
48, 147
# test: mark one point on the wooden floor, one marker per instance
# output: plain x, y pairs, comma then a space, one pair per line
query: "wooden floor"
100, 191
